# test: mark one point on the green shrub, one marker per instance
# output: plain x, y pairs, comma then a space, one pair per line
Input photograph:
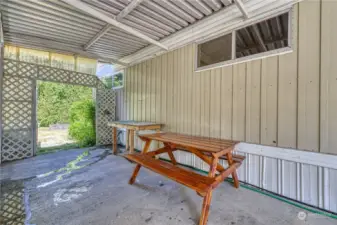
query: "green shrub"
82, 123
54, 100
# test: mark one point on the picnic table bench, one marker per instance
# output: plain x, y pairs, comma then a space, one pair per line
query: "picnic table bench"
210, 150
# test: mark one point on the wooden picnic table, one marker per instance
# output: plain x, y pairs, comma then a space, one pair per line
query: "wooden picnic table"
131, 127
207, 149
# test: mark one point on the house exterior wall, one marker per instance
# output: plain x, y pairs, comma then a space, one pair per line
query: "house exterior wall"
284, 102
288, 100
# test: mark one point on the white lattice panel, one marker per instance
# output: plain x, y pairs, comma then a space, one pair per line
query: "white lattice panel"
27, 70
100, 84
105, 111
12, 207
10, 67
53, 74
83, 79
17, 144
17, 88
16, 115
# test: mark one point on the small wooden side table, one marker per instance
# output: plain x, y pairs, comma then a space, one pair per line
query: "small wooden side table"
130, 126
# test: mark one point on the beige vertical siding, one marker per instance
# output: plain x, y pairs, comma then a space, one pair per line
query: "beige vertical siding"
328, 141
287, 101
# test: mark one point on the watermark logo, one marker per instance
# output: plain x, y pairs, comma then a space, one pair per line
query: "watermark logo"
301, 215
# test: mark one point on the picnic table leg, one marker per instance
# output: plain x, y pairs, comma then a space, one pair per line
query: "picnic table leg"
158, 143
234, 174
208, 198
127, 144
132, 141
170, 153
137, 168
114, 140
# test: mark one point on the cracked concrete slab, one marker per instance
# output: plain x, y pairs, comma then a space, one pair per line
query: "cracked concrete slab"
90, 186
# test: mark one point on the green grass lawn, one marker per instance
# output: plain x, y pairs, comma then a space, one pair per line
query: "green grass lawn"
54, 140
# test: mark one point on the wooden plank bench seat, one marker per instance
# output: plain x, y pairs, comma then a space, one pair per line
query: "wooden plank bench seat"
197, 182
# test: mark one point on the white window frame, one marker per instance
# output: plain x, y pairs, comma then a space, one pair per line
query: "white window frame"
234, 60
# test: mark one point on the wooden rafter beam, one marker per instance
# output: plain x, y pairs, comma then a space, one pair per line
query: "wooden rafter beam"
259, 37
279, 27
242, 8
88, 9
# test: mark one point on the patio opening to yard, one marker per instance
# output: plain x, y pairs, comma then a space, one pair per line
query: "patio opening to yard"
57, 105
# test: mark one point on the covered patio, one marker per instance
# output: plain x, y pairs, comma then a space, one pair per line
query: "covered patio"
241, 91
95, 191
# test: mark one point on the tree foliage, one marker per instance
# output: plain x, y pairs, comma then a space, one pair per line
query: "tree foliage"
54, 101
82, 122
113, 81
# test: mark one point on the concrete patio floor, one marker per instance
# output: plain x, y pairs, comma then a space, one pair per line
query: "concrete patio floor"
90, 186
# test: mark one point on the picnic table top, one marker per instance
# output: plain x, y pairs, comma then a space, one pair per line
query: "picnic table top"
213, 145
134, 124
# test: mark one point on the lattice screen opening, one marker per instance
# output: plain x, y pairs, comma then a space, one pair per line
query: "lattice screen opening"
19, 105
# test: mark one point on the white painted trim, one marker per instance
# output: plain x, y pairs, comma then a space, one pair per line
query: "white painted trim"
86, 8
100, 34
233, 44
2, 42
242, 8
293, 155
261, 55
128, 9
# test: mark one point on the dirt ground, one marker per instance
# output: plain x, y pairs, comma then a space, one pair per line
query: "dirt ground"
51, 138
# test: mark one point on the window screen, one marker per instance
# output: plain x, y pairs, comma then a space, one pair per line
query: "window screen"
265, 36
214, 51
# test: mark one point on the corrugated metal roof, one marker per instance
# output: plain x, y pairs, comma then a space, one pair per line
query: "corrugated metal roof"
57, 21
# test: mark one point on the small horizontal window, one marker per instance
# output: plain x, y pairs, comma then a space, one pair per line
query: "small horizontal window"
266, 36
214, 51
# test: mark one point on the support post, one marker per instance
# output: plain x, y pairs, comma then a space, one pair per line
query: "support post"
114, 140
127, 144
132, 140
1, 80
34, 117
1, 88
